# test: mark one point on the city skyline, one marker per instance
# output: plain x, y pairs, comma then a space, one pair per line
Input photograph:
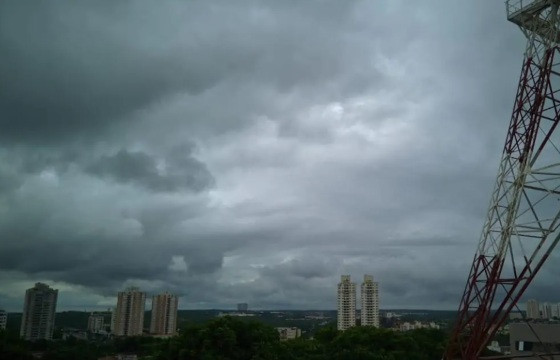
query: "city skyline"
253, 159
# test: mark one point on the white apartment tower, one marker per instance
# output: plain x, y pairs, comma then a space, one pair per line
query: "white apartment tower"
37, 321
346, 309
546, 311
370, 302
533, 309
164, 314
129, 314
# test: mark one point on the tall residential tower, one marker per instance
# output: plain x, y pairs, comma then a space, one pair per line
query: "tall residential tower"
370, 302
533, 311
37, 321
129, 314
164, 314
346, 315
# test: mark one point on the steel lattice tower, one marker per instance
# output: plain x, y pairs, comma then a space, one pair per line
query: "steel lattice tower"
522, 225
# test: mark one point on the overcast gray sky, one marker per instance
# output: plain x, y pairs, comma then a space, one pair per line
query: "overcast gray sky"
250, 151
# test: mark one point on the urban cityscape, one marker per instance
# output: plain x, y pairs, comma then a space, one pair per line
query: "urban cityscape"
279, 180
127, 319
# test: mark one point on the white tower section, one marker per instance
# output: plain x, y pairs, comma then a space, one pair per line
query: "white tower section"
370, 302
346, 314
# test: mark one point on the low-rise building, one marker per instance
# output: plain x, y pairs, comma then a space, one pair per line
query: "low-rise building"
74, 333
531, 339
96, 323
407, 326
391, 315
288, 333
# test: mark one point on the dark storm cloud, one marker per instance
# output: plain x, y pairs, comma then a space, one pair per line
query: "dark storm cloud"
322, 138
180, 172
71, 69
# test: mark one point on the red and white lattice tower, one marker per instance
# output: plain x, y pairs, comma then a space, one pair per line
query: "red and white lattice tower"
522, 226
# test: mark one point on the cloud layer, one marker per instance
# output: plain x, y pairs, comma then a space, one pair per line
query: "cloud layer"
249, 152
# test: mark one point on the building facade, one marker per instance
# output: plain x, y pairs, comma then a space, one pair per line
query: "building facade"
555, 311
370, 302
533, 311
346, 303
96, 323
39, 308
129, 314
3, 319
112, 326
288, 333
164, 314
546, 311
530, 340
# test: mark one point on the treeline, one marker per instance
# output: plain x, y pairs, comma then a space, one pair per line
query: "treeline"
229, 338
232, 339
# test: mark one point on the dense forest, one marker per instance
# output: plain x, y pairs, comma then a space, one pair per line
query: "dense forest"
229, 338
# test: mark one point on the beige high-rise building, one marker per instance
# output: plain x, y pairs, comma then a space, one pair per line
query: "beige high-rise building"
37, 321
164, 314
129, 314
370, 302
346, 299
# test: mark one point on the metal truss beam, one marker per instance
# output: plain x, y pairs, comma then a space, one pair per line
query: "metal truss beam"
522, 225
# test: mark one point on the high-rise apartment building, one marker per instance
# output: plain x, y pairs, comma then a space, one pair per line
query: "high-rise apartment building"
533, 311
3, 319
346, 299
96, 322
370, 302
112, 326
164, 314
129, 314
37, 321
546, 311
